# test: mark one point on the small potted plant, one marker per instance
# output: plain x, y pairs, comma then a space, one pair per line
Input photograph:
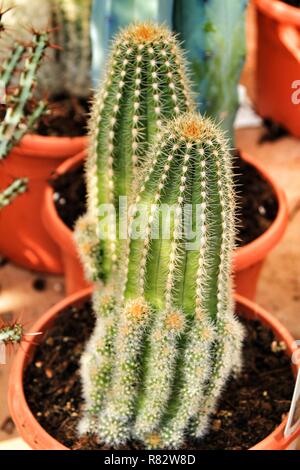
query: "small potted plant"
57, 135
165, 339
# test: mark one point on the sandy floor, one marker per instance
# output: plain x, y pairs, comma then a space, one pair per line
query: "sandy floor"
279, 286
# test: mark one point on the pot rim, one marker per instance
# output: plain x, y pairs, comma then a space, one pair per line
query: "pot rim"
279, 11
259, 248
244, 257
52, 221
36, 436
40, 146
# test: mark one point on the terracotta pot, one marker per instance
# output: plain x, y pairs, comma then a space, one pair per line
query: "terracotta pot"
37, 438
23, 237
248, 260
58, 230
278, 62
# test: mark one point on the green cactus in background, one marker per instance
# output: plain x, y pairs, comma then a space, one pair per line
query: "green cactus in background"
18, 75
68, 69
145, 83
166, 339
17, 82
50, 78
72, 21
17, 187
213, 33
108, 16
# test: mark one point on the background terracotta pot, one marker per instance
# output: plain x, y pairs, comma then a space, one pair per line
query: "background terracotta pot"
248, 260
58, 230
37, 438
23, 237
278, 62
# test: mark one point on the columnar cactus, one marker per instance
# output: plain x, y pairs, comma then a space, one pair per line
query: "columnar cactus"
145, 83
17, 82
213, 33
72, 20
166, 338
17, 187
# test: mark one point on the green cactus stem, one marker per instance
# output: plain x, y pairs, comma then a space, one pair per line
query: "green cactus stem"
17, 121
145, 83
175, 338
213, 33
17, 187
72, 20
10, 66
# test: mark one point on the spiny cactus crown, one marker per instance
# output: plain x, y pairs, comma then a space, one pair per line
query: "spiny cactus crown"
145, 84
17, 82
72, 21
17, 187
164, 345
213, 33
11, 334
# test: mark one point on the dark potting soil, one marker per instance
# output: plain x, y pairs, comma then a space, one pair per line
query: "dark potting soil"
251, 406
293, 3
272, 131
67, 117
257, 203
70, 195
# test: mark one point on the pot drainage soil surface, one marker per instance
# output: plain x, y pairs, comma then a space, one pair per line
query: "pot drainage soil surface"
257, 203
293, 3
251, 406
67, 117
